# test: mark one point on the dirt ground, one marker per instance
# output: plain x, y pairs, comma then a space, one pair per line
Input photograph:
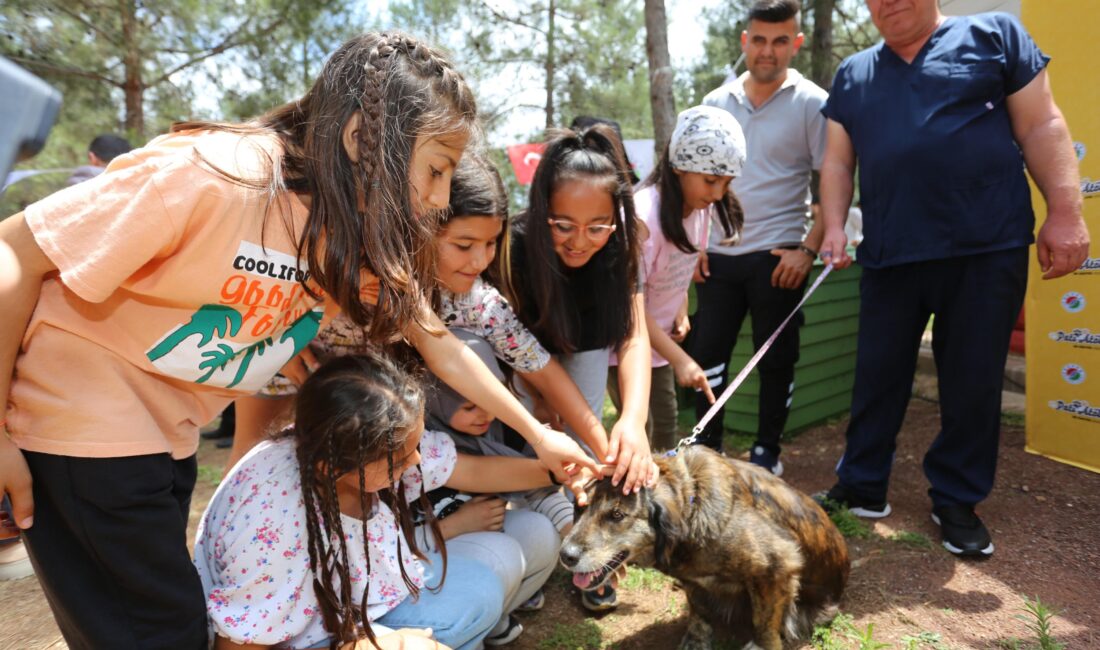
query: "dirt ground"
1044, 517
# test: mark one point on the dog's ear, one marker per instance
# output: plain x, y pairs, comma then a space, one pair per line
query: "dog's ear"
664, 531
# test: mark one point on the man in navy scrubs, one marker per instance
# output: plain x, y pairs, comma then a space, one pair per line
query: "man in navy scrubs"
942, 118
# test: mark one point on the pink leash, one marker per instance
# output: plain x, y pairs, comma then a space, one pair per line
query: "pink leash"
740, 378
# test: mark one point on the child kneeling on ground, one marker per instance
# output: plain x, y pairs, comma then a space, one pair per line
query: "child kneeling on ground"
309, 541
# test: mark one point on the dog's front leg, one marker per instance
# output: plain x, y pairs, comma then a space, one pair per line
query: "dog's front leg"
699, 635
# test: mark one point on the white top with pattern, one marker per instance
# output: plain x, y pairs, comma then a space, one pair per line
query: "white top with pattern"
486, 313
252, 548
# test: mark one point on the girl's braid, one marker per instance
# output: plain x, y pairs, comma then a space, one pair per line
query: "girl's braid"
376, 69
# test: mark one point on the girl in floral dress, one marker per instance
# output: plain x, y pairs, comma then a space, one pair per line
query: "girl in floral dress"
308, 542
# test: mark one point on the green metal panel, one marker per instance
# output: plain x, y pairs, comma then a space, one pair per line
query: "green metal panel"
826, 367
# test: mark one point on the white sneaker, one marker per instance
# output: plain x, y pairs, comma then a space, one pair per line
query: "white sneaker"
14, 563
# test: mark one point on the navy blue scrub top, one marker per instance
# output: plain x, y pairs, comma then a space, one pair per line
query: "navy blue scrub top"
940, 174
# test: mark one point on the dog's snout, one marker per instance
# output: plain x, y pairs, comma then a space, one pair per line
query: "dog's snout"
570, 555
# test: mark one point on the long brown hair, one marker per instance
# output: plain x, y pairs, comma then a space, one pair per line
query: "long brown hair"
353, 411
402, 91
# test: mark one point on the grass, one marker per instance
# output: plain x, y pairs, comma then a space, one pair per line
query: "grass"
842, 634
1038, 618
210, 474
850, 525
913, 540
585, 635
638, 578
924, 640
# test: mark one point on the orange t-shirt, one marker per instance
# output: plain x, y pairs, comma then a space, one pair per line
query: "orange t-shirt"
178, 290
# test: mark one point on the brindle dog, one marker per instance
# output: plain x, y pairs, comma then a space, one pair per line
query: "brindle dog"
759, 561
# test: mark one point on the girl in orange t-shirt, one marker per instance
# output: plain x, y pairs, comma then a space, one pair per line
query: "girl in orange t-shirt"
139, 303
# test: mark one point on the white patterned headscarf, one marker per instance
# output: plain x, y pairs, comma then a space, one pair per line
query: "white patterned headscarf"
707, 140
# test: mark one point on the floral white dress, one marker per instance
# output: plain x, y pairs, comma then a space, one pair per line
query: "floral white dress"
252, 548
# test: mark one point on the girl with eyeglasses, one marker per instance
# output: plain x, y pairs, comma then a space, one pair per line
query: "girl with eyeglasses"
575, 255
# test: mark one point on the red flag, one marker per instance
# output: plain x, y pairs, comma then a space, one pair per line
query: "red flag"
525, 158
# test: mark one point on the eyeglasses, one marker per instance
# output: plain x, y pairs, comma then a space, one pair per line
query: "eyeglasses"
566, 228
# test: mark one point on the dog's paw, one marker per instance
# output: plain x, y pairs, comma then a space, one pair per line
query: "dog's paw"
699, 635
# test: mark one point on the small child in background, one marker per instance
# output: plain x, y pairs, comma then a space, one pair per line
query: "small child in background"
475, 431
687, 191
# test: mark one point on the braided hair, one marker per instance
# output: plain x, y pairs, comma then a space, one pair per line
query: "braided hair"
543, 289
360, 215
354, 411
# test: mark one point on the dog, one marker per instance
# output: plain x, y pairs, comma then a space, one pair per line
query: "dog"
759, 561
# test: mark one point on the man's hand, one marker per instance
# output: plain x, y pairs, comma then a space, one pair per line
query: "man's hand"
702, 268
834, 248
690, 374
794, 265
1062, 245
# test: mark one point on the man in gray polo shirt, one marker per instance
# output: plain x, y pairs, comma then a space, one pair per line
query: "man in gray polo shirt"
764, 273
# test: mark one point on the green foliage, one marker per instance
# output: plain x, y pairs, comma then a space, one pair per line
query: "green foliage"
1038, 618
638, 578
832, 636
924, 640
841, 633
912, 540
852, 31
585, 635
210, 474
848, 524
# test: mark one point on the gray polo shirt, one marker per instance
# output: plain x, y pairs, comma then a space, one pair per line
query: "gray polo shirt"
786, 141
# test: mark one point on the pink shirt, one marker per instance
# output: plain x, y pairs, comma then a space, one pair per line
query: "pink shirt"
667, 270
177, 290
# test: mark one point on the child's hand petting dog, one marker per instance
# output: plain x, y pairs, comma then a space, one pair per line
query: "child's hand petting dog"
579, 480
483, 512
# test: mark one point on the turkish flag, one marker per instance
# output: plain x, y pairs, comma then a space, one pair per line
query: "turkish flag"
525, 158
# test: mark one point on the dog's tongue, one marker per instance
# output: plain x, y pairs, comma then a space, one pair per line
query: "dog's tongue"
582, 580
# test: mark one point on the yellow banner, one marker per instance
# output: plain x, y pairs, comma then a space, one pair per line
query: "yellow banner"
1063, 315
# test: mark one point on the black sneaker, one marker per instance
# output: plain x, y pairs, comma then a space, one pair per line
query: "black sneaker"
594, 602
963, 532
767, 459
839, 496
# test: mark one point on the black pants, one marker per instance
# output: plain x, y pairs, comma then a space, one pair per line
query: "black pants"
975, 300
740, 284
109, 545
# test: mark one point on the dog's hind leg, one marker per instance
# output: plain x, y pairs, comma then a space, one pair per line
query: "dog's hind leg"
699, 635
772, 598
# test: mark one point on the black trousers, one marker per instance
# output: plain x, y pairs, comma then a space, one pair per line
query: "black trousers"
975, 300
109, 546
740, 284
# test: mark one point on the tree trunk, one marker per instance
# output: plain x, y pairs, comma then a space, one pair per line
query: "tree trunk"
661, 101
550, 65
821, 51
132, 86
